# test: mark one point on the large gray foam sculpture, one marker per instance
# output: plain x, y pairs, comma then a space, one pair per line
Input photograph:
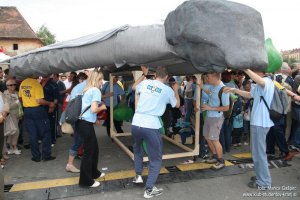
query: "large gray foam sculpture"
215, 34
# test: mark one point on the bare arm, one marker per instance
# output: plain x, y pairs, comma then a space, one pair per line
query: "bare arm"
242, 93
293, 95
259, 80
123, 99
175, 88
95, 108
145, 72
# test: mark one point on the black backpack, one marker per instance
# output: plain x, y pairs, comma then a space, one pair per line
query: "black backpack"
237, 107
73, 110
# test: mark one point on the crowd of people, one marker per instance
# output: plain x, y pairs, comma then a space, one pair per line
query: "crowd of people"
232, 114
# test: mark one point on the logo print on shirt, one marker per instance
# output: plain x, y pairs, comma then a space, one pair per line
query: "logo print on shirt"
27, 93
154, 89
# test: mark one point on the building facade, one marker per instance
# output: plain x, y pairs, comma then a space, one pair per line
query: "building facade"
291, 54
16, 36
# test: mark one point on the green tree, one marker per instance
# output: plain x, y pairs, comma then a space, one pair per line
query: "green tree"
45, 35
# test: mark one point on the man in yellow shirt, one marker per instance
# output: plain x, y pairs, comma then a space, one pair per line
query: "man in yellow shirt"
36, 118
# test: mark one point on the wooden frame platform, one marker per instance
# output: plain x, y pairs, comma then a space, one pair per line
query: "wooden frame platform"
189, 152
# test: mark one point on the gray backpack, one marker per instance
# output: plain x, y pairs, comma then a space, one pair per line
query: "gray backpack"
279, 103
73, 110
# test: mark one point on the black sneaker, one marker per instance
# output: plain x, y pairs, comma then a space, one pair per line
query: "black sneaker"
254, 185
253, 178
36, 159
49, 158
149, 193
27, 146
204, 157
218, 165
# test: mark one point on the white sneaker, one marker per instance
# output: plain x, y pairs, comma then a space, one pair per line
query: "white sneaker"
149, 193
138, 179
102, 175
17, 152
96, 184
11, 151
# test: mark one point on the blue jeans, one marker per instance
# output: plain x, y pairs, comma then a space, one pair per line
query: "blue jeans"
225, 135
259, 156
38, 126
154, 144
188, 103
76, 141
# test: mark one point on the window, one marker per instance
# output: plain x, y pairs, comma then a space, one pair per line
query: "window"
15, 46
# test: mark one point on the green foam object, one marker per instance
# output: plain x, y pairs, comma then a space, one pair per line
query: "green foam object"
122, 113
274, 57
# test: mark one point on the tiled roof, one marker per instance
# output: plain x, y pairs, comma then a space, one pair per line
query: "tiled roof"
13, 25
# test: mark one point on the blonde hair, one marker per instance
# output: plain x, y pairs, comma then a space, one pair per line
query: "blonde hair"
94, 80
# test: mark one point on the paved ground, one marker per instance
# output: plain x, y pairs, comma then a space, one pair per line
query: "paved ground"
221, 188
204, 184
20, 168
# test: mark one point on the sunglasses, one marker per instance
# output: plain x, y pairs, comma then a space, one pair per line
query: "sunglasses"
12, 85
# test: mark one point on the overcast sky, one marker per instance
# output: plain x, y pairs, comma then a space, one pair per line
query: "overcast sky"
69, 19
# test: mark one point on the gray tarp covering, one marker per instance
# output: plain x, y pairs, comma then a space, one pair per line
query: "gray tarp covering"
201, 36
122, 46
215, 34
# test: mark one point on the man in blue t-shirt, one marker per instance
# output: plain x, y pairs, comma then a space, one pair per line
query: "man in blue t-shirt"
154, 96
260, 123
214, 121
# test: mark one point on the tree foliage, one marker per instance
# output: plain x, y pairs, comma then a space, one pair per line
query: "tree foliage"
45, 35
